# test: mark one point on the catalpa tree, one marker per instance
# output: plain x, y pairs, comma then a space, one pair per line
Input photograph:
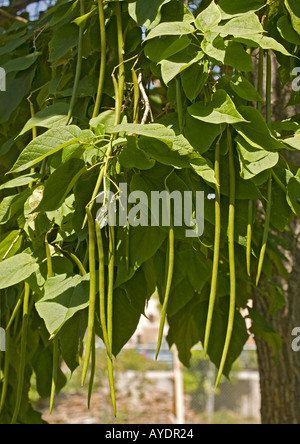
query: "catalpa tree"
164, 98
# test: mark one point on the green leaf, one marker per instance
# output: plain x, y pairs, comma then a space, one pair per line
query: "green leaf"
20, 181
258, 134
179, 156
144, 243
80, 21
43, 146
42, 362
21, 63
237, 57
287, 31
184, 330
176, 143
63, 297
293, 193
129, 304
179, 44
51, 117
194, 78
220, 109
208, 18
180, 295
147, 14
16, 269
187, 328
241, 26
253, 160
243, 88
160, 49
71, 337
294, 141
194, 129
215, 49
174, 65
133, 157
10, 205
235, 8
264, 42
60, 183
172, 28
264, 330
294, 9
10, 243
18, 86
281, 212
15, 43
64, 39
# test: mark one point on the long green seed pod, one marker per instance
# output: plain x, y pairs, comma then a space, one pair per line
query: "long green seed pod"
102, 298
15, 311
78, 66
266, 232
6, 370
54, 372
260, 81
103, 59
231, 252
179, 104
110, 294
249, 235
74, 259
22, 362
120, 51
92, 295
136, 97
55, 363
93, 370
214, 279
251, 203
99, 182
169, 276
270, 182
49, 258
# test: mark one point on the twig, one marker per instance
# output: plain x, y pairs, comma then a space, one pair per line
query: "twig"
14, 17
145, 100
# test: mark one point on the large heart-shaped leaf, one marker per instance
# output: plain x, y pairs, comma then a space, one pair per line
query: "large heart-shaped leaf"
220, 109
16, 269
48, 143
63, 297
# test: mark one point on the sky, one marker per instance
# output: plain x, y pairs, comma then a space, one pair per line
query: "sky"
33, 9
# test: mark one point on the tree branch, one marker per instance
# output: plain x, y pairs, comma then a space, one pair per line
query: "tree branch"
13, 17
